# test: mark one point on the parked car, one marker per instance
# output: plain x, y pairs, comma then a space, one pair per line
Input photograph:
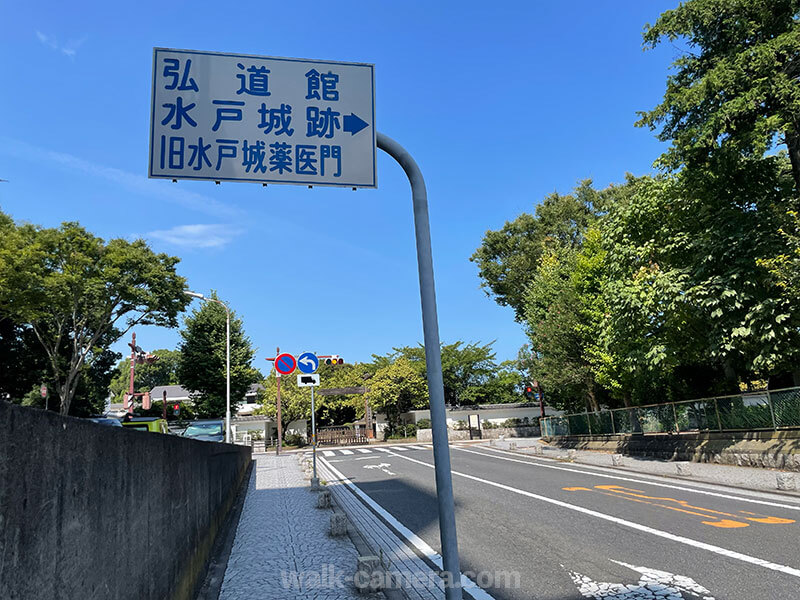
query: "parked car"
106, 421
154, 424
210, 430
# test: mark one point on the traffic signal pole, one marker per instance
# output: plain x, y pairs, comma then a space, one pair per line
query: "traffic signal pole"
433, 361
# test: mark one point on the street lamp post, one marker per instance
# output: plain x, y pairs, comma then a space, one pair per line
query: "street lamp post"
227, 359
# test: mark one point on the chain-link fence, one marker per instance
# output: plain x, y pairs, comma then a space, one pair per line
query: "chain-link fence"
773, 409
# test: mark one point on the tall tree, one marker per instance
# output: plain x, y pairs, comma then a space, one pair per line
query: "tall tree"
202, 368
466, 368
396, 389
735, 89
507, 258
79, 294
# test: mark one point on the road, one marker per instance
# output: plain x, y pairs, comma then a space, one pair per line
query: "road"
572, 530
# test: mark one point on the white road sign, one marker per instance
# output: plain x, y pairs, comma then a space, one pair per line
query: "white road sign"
308, 380
234, 117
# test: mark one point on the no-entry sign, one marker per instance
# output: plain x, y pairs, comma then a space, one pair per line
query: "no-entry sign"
285, 364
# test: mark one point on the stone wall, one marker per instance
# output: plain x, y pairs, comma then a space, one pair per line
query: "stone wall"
92, 511
765, 449
425, 435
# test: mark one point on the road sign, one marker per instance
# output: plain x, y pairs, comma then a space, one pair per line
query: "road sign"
236, 117
308, 380
285, 364
43, 391
308, 362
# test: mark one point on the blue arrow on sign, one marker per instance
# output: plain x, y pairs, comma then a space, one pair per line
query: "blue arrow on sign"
308, 362
353, 124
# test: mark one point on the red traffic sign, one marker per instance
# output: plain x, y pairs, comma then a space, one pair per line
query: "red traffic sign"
285, 363
43, 391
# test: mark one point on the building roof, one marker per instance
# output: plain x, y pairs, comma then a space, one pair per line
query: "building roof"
174, 392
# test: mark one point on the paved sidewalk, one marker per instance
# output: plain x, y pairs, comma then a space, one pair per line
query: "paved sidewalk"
282, 549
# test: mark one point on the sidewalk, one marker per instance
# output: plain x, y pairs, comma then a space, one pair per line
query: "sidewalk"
282, 549
762, 480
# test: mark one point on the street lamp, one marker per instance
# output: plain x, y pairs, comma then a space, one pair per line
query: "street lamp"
227, 358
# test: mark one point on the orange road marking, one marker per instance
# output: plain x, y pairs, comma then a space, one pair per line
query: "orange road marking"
684, 507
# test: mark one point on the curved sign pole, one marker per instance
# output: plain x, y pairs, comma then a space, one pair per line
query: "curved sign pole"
433, 362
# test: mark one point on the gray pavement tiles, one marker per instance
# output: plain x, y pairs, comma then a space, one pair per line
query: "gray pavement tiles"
282, 549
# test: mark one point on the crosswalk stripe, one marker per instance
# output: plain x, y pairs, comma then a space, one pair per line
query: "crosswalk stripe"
418, 447
383, 449
346, 451
364, 451
328, 453
401, 448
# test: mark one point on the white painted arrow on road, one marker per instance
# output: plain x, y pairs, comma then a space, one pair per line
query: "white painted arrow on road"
653, 585
383, 467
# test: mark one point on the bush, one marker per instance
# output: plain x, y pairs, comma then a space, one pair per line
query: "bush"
489, 425
294, 440
424, 424
460, 425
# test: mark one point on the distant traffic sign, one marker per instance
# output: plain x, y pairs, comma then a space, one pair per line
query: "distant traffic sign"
308, 380
308, 362
236, 117
285, 364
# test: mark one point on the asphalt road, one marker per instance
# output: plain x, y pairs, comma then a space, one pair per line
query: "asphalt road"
568, 529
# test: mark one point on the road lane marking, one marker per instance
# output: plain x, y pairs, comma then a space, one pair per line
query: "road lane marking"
383, 450
400, 448
346, 451
623, 478
364, 451
383, 467
412, 538
625, 523
329, 453
418, 447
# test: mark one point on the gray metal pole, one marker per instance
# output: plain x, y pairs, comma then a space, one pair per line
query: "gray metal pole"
433, 361
313, 433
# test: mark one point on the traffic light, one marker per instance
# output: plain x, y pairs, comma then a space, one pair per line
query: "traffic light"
528, 391
334, 360
176, 409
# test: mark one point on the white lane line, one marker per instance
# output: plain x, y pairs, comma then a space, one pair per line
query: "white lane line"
383, 450
329, 453
364, 451
631, 479
418, 447
346, 451
651, 530
470, 586
400, 448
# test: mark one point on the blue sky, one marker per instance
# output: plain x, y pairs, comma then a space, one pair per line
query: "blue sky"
499, 103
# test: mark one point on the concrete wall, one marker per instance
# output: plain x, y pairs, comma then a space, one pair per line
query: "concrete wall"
766, 449
92, 511
425, 435
494, 415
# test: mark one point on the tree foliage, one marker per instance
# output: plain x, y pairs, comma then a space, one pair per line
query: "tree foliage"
78, 294
735, 89
396, 389
202, 364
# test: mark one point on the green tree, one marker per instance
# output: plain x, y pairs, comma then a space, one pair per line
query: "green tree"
466, 368
164, 371
396, 389
202, 364
735, 89
507, 258
80, 294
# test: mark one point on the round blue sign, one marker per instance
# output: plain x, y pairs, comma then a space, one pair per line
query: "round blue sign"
307, 362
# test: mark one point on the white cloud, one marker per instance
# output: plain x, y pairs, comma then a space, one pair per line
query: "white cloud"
150, 188
69, 49
197, 236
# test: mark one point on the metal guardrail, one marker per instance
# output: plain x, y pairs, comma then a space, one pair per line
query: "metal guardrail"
765, 410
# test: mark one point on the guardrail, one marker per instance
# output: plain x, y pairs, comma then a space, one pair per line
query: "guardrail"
749, 411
